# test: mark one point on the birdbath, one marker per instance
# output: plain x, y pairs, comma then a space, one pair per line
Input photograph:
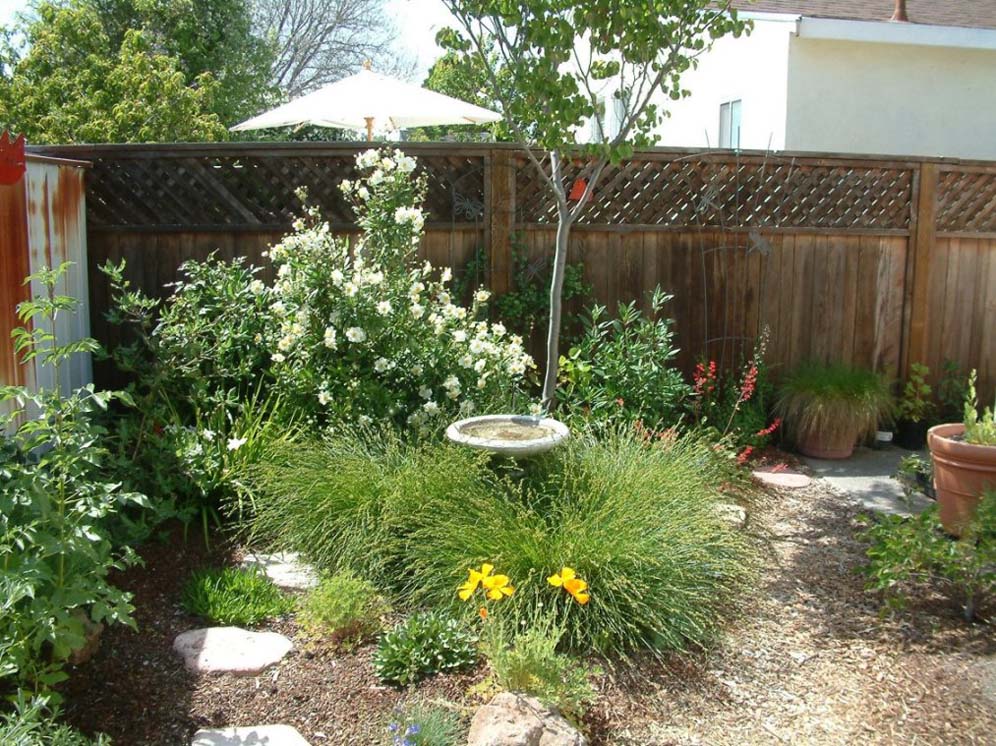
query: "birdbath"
509, 434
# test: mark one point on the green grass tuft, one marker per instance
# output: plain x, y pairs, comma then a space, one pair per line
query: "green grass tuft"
234, 596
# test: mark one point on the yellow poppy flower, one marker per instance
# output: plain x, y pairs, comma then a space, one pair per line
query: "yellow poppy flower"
570, 582
474, 580
497, 587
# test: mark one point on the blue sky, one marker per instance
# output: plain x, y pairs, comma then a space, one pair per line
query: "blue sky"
418, 21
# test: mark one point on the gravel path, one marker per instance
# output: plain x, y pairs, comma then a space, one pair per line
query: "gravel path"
813, 662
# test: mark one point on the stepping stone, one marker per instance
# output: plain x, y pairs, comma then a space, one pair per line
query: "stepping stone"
284, 569
781, 478
257, 735
230, 649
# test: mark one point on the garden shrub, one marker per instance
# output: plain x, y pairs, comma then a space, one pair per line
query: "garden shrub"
234, 596
29, 724
622, 369
365, 333
425, 644
530, 664
55, 549
909, 554
636, 519
424, 725
343, 611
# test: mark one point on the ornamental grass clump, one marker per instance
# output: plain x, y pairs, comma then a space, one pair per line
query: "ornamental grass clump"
836, 403
232, 595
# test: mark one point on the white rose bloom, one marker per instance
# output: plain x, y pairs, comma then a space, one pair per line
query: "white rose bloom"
363, 193
208, 434
416, 370
447, 274
324, 397
337, 277
285, 269
425, 392
498, 329
466, 361
330, 337
285, 343
278, 308
452, 382
256, 287
355, 334
417, 288
467, 407
482, 381
381, 364
350, 289
387, 164
417, 310
444, 298
277, 357
384, 307
430, 408
459, 335
375, 278
375, 178
346, 186
477, 346
480, 365
235, 444
516, 368
367, 159
453, 393
481, 296
405, 164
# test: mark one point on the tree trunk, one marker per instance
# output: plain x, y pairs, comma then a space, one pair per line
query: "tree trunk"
564, 220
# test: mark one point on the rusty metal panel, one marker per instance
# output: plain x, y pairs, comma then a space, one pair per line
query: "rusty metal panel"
42, 224
57, 234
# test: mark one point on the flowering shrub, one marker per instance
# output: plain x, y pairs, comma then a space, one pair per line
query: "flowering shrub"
365, 332
736, 408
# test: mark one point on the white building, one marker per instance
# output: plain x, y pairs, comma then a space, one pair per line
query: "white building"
839, 76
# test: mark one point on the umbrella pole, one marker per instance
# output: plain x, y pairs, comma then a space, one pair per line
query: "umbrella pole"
370, 128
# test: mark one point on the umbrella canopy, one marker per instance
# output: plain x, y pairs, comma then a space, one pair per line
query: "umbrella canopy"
367, 100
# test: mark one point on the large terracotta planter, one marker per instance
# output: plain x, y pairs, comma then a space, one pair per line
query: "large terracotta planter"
962, 471
819, 445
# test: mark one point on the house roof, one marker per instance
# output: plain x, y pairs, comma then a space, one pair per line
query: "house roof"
965, 13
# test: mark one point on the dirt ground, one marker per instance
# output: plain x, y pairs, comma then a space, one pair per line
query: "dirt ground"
810, 662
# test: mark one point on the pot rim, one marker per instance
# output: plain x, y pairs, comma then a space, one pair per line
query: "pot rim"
940, 438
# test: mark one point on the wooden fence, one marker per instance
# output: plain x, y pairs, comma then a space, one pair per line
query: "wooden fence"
877, 262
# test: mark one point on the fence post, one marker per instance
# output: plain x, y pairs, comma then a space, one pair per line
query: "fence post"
499, 186
922, 238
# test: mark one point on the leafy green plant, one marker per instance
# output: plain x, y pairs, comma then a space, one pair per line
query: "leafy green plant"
622, 369
30, 724
951, 392
529, 663
836, 401
424, 725
525, 308
342, 611
232, 595
916, 474
425, 644
55, 549
979, 430
915, 403
910, 553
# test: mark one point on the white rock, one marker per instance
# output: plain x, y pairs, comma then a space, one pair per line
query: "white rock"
230, 649
517, 720
781, 478
735, 515
285, 569
257, 735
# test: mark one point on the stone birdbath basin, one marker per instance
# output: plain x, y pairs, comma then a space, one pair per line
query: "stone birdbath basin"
509, 434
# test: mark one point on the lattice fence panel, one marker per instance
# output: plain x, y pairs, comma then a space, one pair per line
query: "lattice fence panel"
690, 191
966, 202
199, 191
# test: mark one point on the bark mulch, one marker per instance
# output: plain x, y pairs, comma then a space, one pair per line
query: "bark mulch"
810, 661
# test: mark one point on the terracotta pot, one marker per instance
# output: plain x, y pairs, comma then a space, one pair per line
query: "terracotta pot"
961, 472
819, 445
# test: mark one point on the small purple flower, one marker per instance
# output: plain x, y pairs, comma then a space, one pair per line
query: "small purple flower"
393, 727
413, 729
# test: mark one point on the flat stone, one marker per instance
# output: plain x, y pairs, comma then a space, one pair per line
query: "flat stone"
230, 649
781, 478
257, 735
735, 515
512, 719
867, 477
284, 569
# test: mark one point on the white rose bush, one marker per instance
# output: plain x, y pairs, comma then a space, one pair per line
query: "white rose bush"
362, 331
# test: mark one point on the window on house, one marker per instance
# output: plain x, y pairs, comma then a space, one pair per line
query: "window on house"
729, 124
608, 122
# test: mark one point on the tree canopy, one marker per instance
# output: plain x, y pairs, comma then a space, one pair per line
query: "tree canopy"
132, 71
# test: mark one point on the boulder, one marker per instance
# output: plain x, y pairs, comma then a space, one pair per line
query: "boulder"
230, 649
285, 570
512, 719
257, 735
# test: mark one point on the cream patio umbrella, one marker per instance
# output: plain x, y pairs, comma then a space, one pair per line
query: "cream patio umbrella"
367, 100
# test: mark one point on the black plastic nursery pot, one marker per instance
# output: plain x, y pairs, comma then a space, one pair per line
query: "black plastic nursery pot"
911, 435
